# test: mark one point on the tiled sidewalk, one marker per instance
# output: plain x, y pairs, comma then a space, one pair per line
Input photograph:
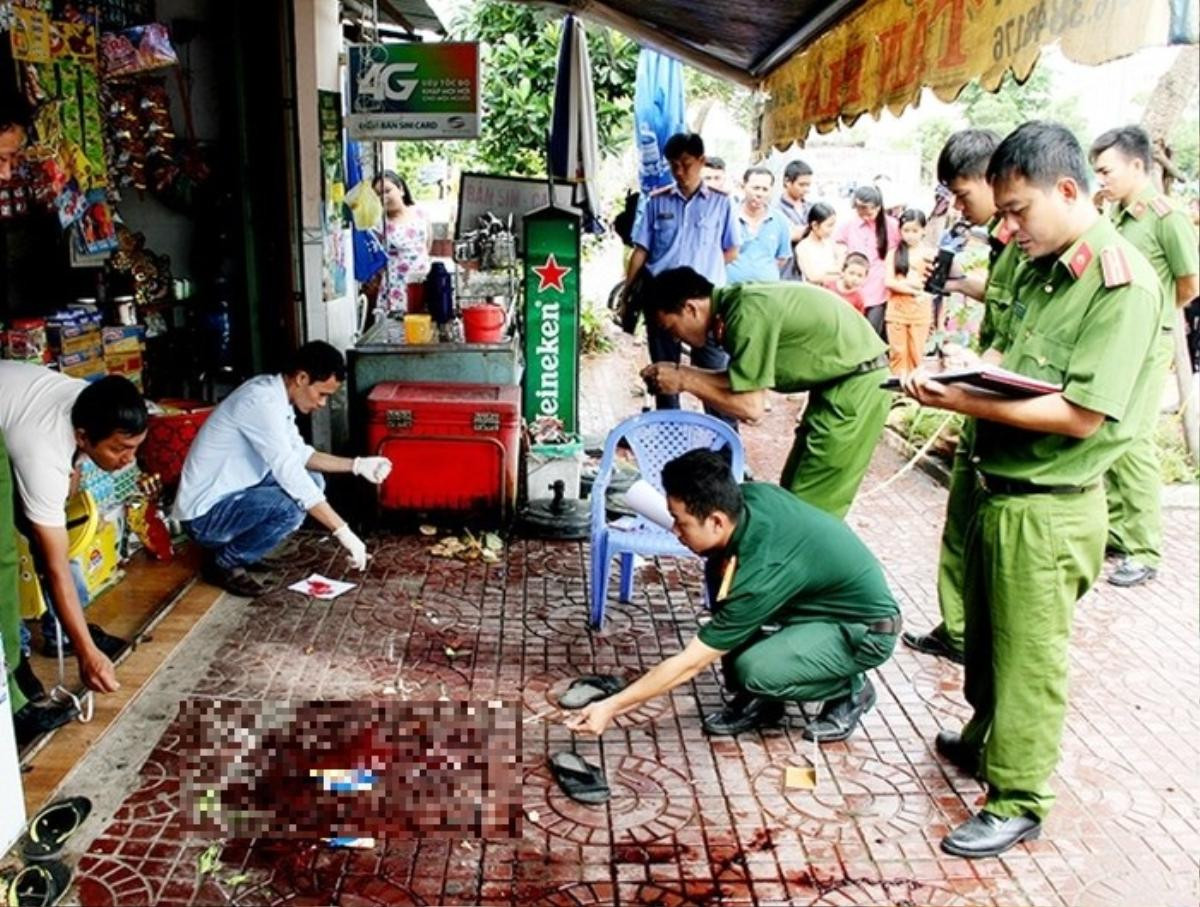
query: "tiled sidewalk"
694, 821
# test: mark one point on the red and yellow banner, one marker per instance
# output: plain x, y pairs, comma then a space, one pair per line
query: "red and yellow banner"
883, 55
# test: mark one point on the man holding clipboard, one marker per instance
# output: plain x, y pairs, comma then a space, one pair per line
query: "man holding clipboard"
1084, 318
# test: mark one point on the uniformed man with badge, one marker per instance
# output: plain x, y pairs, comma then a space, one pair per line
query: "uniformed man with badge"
686, 223
1165, 235
801, 607
962, 169
790, 337
1085, 317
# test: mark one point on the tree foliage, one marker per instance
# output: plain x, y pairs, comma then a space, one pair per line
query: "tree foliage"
519, 59
1013, 104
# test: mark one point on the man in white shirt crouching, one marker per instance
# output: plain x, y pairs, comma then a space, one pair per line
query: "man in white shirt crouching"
250, 479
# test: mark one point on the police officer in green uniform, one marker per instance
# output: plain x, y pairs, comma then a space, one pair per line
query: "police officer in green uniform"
790, 337
770, 559
1165, 235
962, 169
1085, 316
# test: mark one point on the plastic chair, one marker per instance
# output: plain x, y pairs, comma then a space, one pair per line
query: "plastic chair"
655, 438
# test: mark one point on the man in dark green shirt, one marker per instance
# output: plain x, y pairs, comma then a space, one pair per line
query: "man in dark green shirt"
789, 337
771, 559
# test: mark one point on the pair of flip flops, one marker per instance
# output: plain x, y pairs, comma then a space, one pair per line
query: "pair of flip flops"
588, 689
44, 881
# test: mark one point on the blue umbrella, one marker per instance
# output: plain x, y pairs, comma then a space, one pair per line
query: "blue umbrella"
658, 113
573, 147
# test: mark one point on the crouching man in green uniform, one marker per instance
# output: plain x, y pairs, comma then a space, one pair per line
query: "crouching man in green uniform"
790, 337
1085, 316
770, 559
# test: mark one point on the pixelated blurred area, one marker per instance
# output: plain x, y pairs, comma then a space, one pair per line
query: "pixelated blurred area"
348, 770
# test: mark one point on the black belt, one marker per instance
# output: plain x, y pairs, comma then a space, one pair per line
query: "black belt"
889, 625
997, 485
862, 368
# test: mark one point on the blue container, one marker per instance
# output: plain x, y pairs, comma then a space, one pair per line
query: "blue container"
439, 293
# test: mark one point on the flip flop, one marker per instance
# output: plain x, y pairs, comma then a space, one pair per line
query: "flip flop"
52, 827
579, 780
590, 688
40, 885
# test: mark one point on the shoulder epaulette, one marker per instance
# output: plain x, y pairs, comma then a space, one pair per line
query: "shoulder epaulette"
1081, 259
1161, 206
1114, 266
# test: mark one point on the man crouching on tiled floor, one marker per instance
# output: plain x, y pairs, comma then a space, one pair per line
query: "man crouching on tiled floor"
771, 560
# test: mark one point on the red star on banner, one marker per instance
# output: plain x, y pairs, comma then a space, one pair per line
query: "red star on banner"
551, 274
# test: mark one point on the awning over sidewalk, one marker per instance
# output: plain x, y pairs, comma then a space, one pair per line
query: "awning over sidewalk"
824, 63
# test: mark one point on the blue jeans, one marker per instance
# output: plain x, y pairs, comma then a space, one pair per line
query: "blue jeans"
665, 348
242, 527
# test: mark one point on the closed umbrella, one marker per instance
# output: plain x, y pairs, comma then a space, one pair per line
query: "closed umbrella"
573, 148
658, 113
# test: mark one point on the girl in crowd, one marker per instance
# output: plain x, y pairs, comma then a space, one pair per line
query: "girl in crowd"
407, 240
909, 307
818, 256
873, 234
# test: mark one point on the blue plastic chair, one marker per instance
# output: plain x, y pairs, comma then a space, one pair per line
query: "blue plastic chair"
655, 438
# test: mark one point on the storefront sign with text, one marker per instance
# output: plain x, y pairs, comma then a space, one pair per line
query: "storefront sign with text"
414, 91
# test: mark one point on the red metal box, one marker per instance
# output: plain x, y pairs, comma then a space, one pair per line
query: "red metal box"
452, 446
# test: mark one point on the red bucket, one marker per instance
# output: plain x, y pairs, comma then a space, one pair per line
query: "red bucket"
483, 324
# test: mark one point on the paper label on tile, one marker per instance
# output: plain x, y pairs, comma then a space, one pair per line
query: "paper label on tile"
321, 587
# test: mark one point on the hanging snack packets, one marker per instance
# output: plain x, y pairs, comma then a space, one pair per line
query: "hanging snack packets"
136, 50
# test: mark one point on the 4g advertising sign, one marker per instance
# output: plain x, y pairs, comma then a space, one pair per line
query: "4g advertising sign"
414, 91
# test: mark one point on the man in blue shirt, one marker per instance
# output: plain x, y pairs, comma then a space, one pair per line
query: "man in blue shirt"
794, 205
250, 479
684, 224
766, 244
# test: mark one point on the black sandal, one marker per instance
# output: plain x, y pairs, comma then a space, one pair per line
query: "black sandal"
39, 885
51, 828
579, 779
588, 689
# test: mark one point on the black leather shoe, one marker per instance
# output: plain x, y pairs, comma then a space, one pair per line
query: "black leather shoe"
236, 580
950, 747
31, 721
107, 643
931, 643
987, 835
839, 717
745, 712
27, 681
1131, 573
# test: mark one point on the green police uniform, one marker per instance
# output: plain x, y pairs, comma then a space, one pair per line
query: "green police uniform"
793, 337
10, 604
994, 332
791, 564
1086, 320
1165, 235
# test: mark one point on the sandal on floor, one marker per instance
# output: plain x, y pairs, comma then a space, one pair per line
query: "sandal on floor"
52, 827
39, 885
579, 780
588, 689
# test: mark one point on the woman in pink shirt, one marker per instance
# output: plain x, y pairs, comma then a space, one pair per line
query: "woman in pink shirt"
873, 234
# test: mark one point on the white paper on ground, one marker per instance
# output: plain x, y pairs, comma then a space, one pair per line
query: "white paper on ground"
321, 587
646, 500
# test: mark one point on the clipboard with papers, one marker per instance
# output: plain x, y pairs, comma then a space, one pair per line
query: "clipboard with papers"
989, 379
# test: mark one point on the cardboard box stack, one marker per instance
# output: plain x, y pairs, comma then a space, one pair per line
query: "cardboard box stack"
75, 340
123, 351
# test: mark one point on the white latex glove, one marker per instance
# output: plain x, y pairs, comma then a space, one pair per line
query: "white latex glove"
373, 469
354, 546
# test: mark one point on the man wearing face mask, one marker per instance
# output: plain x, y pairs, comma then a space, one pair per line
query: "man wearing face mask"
250, 479
48, 422
770, 559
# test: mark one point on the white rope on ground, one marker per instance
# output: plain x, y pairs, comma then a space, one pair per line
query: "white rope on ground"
907, 467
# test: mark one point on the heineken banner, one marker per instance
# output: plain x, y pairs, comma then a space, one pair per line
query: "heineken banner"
552, 316
414, 91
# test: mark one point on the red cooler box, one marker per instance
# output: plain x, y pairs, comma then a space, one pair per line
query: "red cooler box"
452, 446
